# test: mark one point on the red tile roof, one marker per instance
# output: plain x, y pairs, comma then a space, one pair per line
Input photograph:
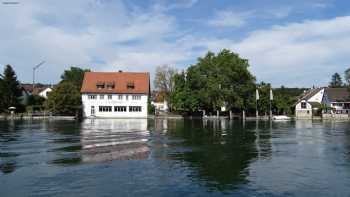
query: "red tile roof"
141, 82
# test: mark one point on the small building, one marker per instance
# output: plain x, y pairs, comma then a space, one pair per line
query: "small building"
338, 103
325, 102
115, 94
309, 103
45, 92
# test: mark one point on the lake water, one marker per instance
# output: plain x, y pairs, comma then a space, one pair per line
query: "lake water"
174, 158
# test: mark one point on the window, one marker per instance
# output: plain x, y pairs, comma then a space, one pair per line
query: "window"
105, 108
303, 105
136, 97
109, 97
127, 97
92, 97
110, 85
120, 97
102, 97
100, 85
120, 108
134, 108
130, 85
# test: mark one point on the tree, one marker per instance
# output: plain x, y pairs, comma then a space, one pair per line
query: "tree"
216, 80
74, 75
336, 81
347, 76
164, 80
10, 89
65, 99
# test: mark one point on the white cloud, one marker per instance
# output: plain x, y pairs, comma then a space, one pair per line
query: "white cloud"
229, 18
299, 54
135, 39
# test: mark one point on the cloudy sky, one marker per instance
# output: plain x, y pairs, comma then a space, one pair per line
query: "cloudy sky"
293, 43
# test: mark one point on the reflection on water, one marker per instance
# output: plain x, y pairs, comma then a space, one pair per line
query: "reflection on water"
174, 157
104, 139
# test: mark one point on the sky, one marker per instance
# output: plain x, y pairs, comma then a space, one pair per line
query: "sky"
296, 43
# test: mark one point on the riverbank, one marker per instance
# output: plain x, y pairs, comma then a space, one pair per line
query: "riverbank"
17, 117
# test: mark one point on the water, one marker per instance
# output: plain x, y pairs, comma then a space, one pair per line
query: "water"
174, 158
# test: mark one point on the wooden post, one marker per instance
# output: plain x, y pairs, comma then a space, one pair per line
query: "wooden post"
203, 113
243, 116
217, 113
230, 115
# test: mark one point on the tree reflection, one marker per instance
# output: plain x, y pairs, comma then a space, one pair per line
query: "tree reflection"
221, 152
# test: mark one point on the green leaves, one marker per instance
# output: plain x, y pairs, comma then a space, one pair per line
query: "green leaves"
10, 89
65, 99
215, 80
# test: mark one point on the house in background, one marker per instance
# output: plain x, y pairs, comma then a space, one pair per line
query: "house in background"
338, 102
325, 102
40, 89
159, 102
115, 94
45, 92
309, 103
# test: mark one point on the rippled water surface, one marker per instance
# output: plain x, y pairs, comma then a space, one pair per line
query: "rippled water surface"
174, 158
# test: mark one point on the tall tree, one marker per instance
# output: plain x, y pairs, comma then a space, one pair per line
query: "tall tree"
347, 76
218, 80
336, 81
74, 75
164, 80
10, 89
65, 99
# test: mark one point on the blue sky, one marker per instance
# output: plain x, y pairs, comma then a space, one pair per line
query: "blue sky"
298, 43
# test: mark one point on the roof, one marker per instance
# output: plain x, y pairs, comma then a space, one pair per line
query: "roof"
337, 94
121, 81
309, 93
38, 87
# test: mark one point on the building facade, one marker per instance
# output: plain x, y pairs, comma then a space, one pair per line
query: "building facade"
325, 102
115, 94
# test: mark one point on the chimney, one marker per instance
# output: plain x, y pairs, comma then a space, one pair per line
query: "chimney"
120, 71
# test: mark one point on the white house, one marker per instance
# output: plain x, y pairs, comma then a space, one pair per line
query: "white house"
335, 102
309, 103
115, 94
45, 92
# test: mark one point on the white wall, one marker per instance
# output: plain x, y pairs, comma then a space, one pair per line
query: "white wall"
45, 92
87, 103
317, 97
303, 112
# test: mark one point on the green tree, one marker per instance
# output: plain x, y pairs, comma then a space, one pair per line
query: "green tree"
336, 81
347, 76
10, 89
74, 75
216, 80
65, 99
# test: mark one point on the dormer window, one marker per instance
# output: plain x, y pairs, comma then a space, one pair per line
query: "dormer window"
130, 85
110, 85
100, 85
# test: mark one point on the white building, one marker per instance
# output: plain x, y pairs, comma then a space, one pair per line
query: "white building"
309, 103
115, 94
328, 102
45, 92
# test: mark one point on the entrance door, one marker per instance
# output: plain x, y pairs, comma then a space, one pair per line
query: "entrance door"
92, 110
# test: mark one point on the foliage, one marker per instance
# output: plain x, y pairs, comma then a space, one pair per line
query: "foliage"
74, 75
65, 99
10, 90
216, 80
347, 76
36, 100
336, 81
164, 81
